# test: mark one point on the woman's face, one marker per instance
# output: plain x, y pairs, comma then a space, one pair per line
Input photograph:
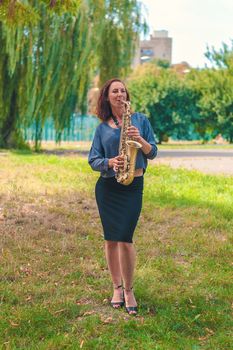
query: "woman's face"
117, 94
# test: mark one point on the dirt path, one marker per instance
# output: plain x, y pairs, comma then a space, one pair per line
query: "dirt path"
213, 165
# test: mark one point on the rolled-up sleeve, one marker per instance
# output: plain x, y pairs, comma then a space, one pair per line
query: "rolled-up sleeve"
148, 135
96, 157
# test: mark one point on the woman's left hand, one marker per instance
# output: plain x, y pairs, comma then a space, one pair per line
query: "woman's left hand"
133, 132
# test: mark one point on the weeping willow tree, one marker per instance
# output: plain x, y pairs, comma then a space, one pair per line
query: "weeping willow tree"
46, 68
44, 73
24, 11
123, 22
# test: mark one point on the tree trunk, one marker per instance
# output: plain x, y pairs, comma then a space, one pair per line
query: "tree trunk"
8, 132
38, 134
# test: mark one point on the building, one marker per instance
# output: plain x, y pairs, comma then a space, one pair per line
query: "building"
181, 68
159, 46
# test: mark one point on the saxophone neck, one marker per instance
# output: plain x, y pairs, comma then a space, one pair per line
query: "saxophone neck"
127, 107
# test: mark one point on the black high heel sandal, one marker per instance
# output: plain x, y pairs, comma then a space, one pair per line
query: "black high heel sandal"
132, 310
118, 304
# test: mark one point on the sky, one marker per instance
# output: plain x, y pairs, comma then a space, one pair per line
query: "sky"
192, 24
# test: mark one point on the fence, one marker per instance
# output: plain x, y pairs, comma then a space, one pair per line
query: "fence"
82, 128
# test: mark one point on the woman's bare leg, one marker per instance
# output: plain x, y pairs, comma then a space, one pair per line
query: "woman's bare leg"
113, 261
127, 257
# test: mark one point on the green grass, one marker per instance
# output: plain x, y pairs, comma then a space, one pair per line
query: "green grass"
85, 146
54, 283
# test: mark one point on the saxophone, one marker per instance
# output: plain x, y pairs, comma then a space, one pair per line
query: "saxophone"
128, 149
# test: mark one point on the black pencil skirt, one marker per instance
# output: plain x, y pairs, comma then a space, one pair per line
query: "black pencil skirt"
119, 207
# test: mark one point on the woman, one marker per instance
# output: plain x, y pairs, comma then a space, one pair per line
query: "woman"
119, 205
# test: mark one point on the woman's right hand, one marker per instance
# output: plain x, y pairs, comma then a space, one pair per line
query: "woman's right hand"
116, 162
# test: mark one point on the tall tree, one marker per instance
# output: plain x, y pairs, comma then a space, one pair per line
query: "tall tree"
122, 23
215, 88
18, 12
46, 68
166, 98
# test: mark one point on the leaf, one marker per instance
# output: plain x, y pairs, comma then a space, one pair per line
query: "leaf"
59, 311
29, 298
196, 317
108, 320
88, 313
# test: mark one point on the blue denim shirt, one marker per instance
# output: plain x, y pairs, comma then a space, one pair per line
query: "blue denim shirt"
106, 141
